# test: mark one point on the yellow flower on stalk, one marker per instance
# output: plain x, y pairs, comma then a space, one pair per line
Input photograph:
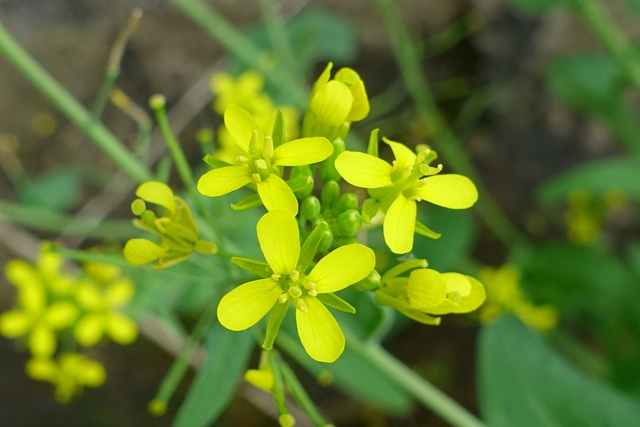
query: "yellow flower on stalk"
69, 373
246, 91
427, 293
335, 103
260, 164
39, 313
396, 188
103, 295
176, 228
279, 241
505, 295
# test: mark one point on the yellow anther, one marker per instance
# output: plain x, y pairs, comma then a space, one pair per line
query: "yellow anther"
256, 178
276, 277
268, 146
242, 159
312, 285
294, 276
254, 139
312, 293
261, 164
300, 305
283, 298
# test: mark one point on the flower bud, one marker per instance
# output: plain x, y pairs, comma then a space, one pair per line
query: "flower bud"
327, 169
347, 201
325, 241
302, 173
310, 208
330, 193
370, 282
349, 222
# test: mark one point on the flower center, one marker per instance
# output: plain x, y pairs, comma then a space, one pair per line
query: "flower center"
294, 287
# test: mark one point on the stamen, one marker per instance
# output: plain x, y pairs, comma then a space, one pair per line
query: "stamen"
454, 297
268, 146
294, 276
300, 305
283, 298
295, 291
256, 178
261, 164
276, 277
312, 293
242, 159
313, 286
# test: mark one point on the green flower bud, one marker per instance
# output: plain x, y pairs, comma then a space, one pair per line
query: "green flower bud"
370, 282
302, 174
310, 208
349, 222
347, 201
327, 169
330, 193
345, 240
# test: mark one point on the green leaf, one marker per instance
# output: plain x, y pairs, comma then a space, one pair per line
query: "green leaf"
524, 383
227, 353
56, 191
597, 178
541, 6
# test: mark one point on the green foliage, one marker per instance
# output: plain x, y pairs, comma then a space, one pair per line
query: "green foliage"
542, 6
525, 383
55, 191
227, 353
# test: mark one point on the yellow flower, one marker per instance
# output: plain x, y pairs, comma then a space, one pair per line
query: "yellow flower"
103, 295
246, 91
427, 293
335, 103
279, 241
38, 316
396, 188
69, 374
504, 295
176, 228
260, 163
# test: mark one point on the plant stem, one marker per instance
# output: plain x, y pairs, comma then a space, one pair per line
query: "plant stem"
408, 60
71, 108
429, 395
235, 43
598, 18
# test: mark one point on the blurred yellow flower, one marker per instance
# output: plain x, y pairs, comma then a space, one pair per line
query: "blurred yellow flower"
504, 295
69, 373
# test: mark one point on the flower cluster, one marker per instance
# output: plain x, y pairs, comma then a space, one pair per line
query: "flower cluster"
504, 295
54, 307
176, 229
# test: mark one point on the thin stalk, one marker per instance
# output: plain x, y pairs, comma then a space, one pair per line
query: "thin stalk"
447, 143
71, 108
425, 392
235, 43
598, 18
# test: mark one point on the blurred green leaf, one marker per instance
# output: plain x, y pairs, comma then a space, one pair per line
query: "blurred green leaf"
227, 353
55, 191
597, 178
540, 6
458, 234
524, 383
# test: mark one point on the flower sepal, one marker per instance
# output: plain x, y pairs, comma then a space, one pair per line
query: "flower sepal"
259, 268
423, 230
333, 300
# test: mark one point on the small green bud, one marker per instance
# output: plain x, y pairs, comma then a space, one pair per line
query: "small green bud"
330, 193
325, 241
349, 222
370, 282
286, 420
345, 240
138, 206
310, 208
302, 174
347, 201
328, 171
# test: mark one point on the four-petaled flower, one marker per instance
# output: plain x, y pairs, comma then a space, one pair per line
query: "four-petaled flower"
395, 188
260, 162
279, 241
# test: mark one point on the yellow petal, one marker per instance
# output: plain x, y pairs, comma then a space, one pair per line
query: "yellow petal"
449, 191
457, 282
61, 314
90, 329
241, 126
399, 225
244, 306
142, 251
223, 180
91, 373
158, 193
364, 170
119, 293
332, 103
323, 78
42, 341
15, 323
360, 106
121, 329
20, 273
279, 241
319, 331
404, 156
276, 195
468, 303
426, 289
343, 267
41, 368
303, 151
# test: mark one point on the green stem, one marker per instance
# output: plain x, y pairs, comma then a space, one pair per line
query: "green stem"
447, 143
49, 221
598, 18
420, 388
235, 43
71, 108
